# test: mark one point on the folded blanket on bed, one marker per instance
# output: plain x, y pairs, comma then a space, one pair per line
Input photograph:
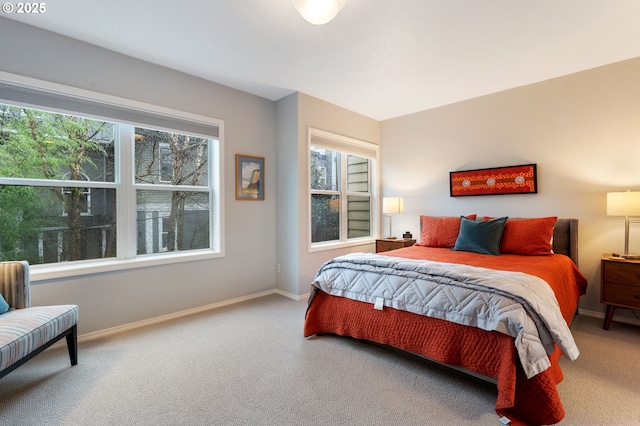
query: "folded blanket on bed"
519, 305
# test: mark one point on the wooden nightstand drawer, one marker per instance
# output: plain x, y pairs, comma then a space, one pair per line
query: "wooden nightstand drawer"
383, 245
619, 285
621, 294
388, 245
623, 273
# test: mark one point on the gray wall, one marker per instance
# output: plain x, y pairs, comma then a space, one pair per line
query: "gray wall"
287, 183
313, 112
111, 299
582, 130
298, 265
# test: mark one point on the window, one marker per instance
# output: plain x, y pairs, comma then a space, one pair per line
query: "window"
80, 189
176, 192
342, 182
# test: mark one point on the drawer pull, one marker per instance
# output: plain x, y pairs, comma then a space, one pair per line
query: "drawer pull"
638, 276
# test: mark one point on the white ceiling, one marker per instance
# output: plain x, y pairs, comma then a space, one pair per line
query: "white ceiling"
380, 58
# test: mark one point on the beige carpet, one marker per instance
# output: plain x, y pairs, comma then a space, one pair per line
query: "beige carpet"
248, 364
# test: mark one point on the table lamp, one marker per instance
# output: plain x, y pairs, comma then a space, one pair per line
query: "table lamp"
391, 206
625, 204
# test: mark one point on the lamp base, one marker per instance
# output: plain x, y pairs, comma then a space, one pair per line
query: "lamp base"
629, 256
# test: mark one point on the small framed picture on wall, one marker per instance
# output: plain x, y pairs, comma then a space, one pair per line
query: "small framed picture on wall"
249, 177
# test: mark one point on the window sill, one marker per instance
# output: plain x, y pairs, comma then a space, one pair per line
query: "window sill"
341, 244
74, 269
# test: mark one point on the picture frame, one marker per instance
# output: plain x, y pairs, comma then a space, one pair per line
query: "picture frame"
521, 179
249, 177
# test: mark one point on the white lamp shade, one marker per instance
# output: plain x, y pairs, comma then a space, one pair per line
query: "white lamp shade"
623, 203
392, 205
318, 12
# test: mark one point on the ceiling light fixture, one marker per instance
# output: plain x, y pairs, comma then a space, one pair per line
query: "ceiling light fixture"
318, 12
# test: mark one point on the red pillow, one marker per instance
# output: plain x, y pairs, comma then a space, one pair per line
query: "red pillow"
440, 231
528, 236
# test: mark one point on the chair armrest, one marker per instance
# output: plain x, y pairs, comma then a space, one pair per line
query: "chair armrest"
14, 284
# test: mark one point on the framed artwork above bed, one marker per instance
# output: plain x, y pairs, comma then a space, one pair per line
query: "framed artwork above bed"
520, 179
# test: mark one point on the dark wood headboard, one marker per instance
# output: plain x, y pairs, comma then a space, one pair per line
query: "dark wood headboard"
565, 238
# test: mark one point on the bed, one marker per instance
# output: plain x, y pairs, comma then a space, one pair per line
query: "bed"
354, 296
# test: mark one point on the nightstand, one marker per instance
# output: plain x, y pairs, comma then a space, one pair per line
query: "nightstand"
387, 245
619, 285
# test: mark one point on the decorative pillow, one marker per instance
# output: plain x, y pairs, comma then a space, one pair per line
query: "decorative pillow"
4, 306
528, 236
440, 231
480, 237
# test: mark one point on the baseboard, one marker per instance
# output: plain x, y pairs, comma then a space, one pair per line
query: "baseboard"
295, 297
616, 318
127, 327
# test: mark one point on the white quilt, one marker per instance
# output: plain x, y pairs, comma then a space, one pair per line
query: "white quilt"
517, 304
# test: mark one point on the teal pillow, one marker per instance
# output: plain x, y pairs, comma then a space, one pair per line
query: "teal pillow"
4, 306
480, 237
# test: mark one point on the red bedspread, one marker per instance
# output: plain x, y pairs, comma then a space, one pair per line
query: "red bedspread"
532, 401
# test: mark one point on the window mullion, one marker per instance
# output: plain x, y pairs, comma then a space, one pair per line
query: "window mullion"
126, 230
344, 220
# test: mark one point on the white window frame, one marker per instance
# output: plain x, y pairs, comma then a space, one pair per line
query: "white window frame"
126, 194
344, 145
86, 193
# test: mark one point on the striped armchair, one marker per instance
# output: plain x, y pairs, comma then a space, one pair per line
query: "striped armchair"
25, 331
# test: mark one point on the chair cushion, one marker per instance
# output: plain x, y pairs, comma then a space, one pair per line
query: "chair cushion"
4, 306
14, 283
24, 330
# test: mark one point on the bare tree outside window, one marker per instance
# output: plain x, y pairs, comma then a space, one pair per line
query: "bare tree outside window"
176, 160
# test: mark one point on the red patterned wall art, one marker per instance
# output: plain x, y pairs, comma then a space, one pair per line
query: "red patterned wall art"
494, 181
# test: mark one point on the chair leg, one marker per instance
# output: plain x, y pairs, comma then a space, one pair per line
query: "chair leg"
72, 344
